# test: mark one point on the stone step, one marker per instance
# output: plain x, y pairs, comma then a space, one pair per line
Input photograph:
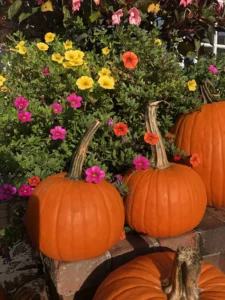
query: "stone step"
83, 277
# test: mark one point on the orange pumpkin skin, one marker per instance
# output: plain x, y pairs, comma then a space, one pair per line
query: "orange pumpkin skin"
203, 133
74, 220
141, 278
166, 202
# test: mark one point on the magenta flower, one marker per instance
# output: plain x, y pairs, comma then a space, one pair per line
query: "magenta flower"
25, 116
94, 174
110, 122
116, 17
220, 5
75, 101
213, 69
58, 133
134, 16
141, 163
7, 191
25, 191
177, 157
45, 71
57, 108
21, 103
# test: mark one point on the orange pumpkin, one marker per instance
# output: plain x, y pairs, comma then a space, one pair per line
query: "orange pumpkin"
147, 277
167, 200
69, 219
202, 132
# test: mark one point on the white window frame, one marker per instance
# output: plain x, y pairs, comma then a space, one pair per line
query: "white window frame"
215, 45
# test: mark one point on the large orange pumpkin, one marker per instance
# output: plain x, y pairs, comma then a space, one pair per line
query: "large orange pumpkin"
147, 277
203, 132
69, 219
167, 200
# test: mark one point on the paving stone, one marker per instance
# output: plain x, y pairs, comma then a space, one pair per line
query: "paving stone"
35, 289
217, 260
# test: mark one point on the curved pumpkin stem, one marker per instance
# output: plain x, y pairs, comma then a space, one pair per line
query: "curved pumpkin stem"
183, 283
208, 97
77, 162
158, 150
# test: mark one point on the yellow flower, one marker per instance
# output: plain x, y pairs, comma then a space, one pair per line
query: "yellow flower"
21, 44
4, 89
49, 37
104, 72
84, 82
2, 79
71, 55
77, 62
57, 57
42, 46
105, 51
192, 85
154, 8
22, 50
80, 54
158, 42
106, 82
67, 65
47, 6
68, 44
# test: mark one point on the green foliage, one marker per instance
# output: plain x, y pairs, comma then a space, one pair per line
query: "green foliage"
29, 148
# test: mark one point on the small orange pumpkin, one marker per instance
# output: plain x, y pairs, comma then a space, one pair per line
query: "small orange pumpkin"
164, 276
69, 219
167, 200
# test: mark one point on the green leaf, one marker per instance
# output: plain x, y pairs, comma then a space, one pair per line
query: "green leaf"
24, 16
66, 14
94, 16
13, 9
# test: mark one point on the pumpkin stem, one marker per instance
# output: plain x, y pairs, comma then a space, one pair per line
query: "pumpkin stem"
183, 282
208, 97
77, 162
158, 150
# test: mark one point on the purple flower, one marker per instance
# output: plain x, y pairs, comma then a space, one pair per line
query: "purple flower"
213, 69
25, 191
141, 163
94, 174
58, 133
75, 101
119, 178
57, 108
110, 122
7, 191
21, 103
25, 116
45, 71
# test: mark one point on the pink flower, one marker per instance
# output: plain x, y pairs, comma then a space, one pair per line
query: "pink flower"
177, 157
76, 5
185, 2
116, 17
220, 5
21, 103
45, 71
134, 16
213, 69
75, 101
25, 116
97, 2
7, 191
94, 174
57, 108
25, 191
58, 133
141, 163
119, 178
110, 122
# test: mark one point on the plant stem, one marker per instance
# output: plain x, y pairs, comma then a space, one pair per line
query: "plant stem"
183, 283
158, 150
77, 162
